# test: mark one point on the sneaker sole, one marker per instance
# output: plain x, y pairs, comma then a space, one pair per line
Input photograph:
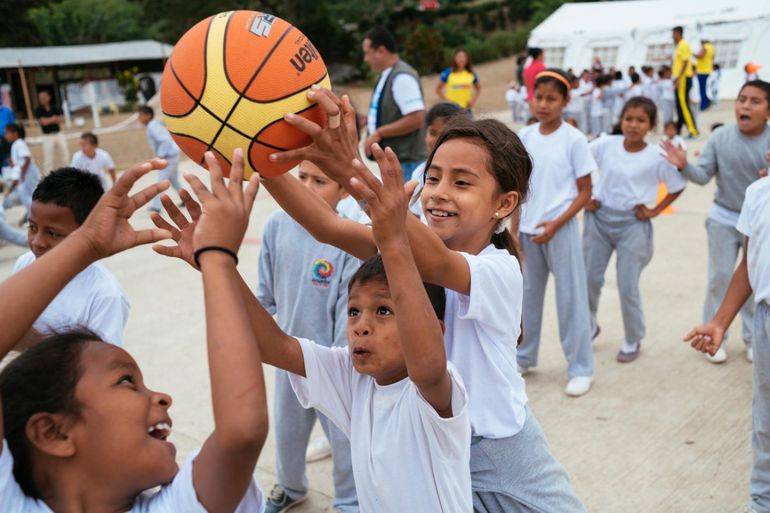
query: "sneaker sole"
293, 504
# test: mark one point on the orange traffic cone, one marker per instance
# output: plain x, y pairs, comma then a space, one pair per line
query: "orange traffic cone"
662, 193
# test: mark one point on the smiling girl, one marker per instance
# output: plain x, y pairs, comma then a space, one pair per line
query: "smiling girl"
734, 154
618, 219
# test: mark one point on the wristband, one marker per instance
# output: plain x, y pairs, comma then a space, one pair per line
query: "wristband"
198, 252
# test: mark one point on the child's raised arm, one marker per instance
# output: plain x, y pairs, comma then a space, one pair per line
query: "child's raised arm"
422, 341
223, 470
106, 231
708, 337
276, 347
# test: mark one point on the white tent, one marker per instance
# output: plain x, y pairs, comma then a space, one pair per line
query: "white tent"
624, 33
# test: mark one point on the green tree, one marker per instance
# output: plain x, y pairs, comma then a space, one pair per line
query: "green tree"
89, 21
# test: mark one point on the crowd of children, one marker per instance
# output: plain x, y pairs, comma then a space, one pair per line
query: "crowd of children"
404, 323
597, 96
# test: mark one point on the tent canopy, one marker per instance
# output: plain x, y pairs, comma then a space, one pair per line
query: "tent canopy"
602, 18
57, 56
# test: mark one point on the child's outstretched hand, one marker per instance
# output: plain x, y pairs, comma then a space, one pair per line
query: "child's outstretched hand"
706, 338
182, 233
107, 230
674, 154
386, 201
333, 147
225, 209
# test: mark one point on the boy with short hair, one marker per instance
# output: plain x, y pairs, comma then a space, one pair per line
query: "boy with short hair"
164, 147
93, 159
392, 391
305, 282
753, 274
24, 171
93, 299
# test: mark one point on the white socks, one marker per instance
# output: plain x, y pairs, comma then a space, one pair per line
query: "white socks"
630, 347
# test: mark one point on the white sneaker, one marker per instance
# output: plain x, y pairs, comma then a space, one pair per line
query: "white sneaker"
750, 354
522, 370
579, 385
318, 449
719, 357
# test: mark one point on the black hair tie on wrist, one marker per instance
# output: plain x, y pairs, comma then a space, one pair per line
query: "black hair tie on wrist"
198, 252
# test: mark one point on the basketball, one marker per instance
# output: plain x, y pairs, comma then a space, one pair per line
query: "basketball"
228, 83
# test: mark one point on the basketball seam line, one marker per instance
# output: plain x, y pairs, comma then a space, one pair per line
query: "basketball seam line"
202, 142
197, 101
256, 73
268, 126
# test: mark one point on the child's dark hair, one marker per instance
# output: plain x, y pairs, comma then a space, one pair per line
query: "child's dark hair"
759, 84
17, 129
644, 103
468, 65
71, 188
635, 78
556, 77
535, 52
380, 36
444, 111
508, 161
90, 137
146, 109
374, 269
603, 80
41, 379
670, 123
716, 125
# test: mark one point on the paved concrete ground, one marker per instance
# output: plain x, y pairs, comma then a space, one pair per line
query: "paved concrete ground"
667, 433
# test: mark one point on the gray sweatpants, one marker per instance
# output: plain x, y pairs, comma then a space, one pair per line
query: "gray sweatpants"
170, 173
293, 426
725, 242
563, 257
10, 234
607, 230
759, 486
519, 474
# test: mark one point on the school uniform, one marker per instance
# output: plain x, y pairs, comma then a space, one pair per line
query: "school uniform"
754, 223
178, 496
627, 180
734, 160
93, 299
512, 468
598, 111
559, 160
304, 283
667, 94
22, 195
96, 165
10, 234
163, 146
405, 456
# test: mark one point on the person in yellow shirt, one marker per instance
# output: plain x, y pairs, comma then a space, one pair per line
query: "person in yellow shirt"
682, 73
704, 66
458, 83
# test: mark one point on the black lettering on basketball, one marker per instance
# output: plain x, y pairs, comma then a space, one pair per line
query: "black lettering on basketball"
304, 56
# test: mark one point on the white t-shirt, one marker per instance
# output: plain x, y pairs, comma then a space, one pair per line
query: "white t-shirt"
667, 89
19, 152
405, 457
482, 331
559, 159
754, 223
597, 101
635, 90
177, 497
629, 179
406, 93
93, 299
101, 162
350, 209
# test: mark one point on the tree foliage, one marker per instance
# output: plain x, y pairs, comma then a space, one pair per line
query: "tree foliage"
89, 21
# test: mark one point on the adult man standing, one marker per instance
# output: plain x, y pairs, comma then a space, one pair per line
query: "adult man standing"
50, 117
397, 111
704, 66
682, 74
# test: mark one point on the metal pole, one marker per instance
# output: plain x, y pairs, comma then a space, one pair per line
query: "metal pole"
25, 91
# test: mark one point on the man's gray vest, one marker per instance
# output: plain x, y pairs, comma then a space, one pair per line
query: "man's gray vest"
409, 147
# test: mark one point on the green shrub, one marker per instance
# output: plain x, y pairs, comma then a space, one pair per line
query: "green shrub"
481, 50
423, 48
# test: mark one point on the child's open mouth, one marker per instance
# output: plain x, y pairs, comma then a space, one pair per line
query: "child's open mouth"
441, 213
360, 353
161, 431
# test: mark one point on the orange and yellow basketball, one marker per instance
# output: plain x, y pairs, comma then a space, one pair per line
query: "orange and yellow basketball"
228, 83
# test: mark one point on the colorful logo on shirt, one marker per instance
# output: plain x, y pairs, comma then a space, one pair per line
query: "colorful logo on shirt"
322, 271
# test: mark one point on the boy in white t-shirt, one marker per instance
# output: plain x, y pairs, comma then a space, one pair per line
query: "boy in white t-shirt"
93, 159
392, 390
753, 274
23, 168
94, 298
